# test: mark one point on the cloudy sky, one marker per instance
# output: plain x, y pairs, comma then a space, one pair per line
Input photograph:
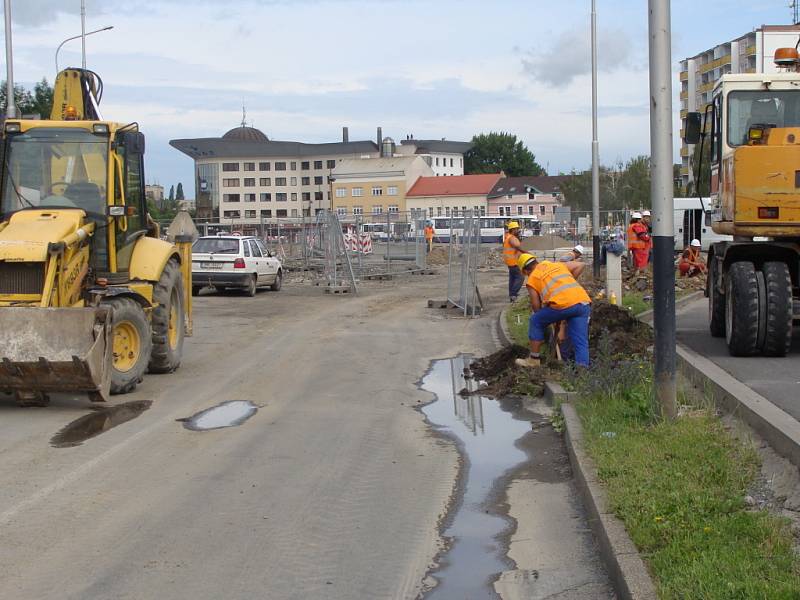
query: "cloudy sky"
433, 68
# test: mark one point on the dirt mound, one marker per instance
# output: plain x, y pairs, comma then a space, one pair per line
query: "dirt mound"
438, 256
545, 242
626, 335
503, 378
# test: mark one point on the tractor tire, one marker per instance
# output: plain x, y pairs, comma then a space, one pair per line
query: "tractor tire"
741, 310
276, 286
131, 344
778, 283
168, 320
716, 302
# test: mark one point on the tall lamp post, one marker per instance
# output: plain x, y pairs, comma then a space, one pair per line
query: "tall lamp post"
11, 106
82, 36
595, 156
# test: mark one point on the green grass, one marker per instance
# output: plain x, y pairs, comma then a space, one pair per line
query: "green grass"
679, 488
634, 301
517, 321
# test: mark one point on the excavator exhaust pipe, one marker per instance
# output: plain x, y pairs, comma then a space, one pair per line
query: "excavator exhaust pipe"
45, 350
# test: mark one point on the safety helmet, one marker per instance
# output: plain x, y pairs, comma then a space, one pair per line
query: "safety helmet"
645, 213
512, 225
525, 259
579, 249
696, 242
636, 215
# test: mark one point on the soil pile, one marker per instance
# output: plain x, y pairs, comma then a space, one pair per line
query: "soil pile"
545, 242
438, 256
626, 336
503, 378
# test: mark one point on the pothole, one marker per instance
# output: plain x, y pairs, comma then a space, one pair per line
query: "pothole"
95, 423
226, 414
486, 436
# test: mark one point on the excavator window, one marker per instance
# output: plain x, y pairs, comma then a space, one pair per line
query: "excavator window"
770, 108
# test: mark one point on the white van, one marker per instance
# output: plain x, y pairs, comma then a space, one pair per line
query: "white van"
693, 222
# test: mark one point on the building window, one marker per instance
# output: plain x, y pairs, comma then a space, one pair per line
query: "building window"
554, 209
249, 182
280, 166
305, 165
267, 197
438, 211
446, 211
377, 209
306, 196
317, 164
451, 162
437, 161
501, 211
280, 197
293, 181
519, 209
358, 210
249, 197
530, 209
377, 190
266, 213
293, 166
230, 166
305, 181
357, 192
294, 212
463, 210
280, 213
317, 195
318, 180
341, 192
249, 214
231, 214
430, 211
331, 164
294, 196
265, 181
230, 197
264, 166
230, 183
393, 208
483, 211
249, 166
341, 211
391, 190
542, 208
280, 181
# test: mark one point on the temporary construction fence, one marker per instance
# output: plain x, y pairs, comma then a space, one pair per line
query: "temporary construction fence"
462, 272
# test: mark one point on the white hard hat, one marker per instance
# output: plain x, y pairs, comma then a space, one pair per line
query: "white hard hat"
578, 249
696, 243
646, 213
636, 215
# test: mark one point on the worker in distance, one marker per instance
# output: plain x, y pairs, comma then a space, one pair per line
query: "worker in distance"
512, 250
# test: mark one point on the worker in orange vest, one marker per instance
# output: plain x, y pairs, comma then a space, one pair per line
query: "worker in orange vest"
429, 236
638, 242
691, 263
556, 296
512, 249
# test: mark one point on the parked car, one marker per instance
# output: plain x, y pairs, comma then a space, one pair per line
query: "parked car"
231, 261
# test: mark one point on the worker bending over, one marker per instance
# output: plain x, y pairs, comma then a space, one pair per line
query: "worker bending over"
575, 254
512, 249
691, 263
555, 296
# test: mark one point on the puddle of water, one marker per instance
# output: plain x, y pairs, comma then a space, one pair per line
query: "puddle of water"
95, 423
487, 435
226, 414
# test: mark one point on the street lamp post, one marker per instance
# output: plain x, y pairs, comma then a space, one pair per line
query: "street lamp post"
11, 106
595, 156
83, 37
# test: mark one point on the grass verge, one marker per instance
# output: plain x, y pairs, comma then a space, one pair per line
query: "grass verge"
679, 488
634, 302
517, 321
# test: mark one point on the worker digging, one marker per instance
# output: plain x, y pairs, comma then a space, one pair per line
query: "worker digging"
691, 263
556, 296
511, 253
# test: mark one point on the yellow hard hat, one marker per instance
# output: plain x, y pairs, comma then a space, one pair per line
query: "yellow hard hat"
512, 225
524, 259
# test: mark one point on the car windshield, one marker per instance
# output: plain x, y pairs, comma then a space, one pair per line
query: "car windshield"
55, 168
216, 246
767, 108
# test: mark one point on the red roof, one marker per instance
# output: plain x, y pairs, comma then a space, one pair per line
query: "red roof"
459, 185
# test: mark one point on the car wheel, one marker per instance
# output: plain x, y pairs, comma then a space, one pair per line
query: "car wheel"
275, 287
251, 287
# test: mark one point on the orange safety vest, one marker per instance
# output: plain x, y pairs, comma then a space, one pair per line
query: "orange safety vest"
634, 243
428, 232
510, 253
556, 286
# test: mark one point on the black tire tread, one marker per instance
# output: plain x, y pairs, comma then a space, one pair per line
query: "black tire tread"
276, 287
132, 310
716, 302
778, 282
163, 358
743, 291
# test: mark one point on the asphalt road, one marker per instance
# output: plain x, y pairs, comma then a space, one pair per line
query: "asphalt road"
777, 379
335, 488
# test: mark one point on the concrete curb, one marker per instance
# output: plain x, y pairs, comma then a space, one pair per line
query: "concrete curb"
554, 393
502, 329
647, 316
627, 570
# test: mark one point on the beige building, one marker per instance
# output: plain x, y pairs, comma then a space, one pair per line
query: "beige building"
155, 193
750, 53
375, 186
247, 178
445, 196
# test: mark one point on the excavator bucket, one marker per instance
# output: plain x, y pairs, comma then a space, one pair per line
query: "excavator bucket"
44, 350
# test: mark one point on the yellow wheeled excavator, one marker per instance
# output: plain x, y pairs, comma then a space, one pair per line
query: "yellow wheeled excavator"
90, 297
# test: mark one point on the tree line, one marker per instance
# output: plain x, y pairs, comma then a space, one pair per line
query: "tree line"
38, 101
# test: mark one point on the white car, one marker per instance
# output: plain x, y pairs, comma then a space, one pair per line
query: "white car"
231, 261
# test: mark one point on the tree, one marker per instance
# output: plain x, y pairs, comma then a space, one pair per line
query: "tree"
40, 101
701, 170
171, 196
43, 99
621, 186
179, 192
495, 152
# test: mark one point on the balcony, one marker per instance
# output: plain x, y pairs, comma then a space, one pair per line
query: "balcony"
684, 76
710, 66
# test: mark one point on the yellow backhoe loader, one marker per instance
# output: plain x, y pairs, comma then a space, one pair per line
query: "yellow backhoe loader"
90, 297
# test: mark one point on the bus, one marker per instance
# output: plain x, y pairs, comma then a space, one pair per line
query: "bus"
492, 228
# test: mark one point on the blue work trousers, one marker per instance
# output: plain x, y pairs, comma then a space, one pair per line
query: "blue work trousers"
515, 280
577, 318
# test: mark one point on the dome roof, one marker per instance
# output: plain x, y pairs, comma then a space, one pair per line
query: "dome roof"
245, 134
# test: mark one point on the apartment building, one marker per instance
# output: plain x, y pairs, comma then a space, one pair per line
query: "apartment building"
248, 178
375, 186
750, 53
445, 196
527, 197
445, 157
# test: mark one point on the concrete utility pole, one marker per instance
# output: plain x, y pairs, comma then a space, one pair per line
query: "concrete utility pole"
595, 156
663, 204
11, 106
83, 34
